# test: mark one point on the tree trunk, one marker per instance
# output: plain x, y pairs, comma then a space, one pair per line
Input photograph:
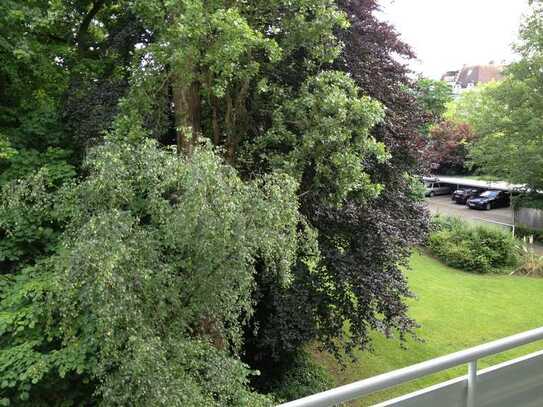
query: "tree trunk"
187, 105
216, 126
236, 120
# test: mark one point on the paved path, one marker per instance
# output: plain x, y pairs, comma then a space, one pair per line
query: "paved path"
445, 206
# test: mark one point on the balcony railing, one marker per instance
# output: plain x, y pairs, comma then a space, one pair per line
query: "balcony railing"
515, 383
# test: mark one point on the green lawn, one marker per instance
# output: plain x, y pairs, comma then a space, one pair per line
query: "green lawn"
456, 310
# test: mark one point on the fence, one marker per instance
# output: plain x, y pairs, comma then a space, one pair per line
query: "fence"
464, 390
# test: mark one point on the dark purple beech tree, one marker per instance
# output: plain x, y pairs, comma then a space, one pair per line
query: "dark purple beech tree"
364, 245
371, 55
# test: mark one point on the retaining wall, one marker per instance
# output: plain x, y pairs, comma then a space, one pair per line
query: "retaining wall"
529, 218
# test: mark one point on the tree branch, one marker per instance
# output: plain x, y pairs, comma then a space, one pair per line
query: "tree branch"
83, 31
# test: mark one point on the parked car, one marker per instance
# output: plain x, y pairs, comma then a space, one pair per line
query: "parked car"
462, 195
434, 188
489, 200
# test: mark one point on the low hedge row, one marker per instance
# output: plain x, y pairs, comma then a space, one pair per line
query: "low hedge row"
534, 201
480, 249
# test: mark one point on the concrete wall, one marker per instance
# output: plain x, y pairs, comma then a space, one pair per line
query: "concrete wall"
529, 218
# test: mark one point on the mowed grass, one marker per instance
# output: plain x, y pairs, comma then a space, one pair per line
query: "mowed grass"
455, 310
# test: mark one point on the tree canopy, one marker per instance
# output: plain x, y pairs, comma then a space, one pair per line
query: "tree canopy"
447, 147
434, 96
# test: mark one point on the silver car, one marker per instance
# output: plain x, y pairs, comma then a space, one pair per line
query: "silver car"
434, 188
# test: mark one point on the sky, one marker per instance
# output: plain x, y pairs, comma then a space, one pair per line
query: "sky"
446, 34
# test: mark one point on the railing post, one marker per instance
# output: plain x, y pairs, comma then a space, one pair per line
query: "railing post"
472, 383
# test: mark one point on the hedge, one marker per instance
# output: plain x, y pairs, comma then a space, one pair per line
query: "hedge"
474, 248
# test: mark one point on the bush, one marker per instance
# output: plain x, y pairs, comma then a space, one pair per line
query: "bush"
531, 264
479, 249
438, 223
300, 377
529, 200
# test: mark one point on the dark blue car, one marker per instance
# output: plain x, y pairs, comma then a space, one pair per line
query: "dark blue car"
489, 200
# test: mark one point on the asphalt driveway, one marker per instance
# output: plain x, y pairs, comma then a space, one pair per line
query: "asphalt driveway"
444, 205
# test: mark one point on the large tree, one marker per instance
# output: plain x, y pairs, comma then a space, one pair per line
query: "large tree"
273, 101
363, 243
434, 95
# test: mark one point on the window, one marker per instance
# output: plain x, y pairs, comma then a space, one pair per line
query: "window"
489, 194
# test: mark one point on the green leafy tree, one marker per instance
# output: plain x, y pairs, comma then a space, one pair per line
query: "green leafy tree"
31, 83
332, 148
434, 96
277, 105
361, 246
476, 107
211, 59
63, 72
147, 291
507, 116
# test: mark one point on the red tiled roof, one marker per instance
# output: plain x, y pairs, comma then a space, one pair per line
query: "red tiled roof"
479, 74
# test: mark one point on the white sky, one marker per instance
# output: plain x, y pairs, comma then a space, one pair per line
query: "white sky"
447, 34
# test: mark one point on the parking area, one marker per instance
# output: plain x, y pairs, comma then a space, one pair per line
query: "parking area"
445, 206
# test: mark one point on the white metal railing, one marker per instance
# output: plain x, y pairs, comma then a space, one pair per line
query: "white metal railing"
509, 225
470, 356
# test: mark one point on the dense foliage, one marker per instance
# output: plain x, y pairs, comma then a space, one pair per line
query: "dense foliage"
64, 69
447, 147
363, 243
133, 274
299, 377
132, 290
434, 96
480, 249
475, 107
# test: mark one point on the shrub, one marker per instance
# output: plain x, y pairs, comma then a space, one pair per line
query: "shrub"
531, 264
481, 249
439, 222
300, 377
